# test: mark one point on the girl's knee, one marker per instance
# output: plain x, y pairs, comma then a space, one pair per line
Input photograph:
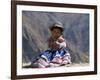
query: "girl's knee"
42, 63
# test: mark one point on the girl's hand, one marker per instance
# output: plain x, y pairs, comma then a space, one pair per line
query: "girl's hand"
60, 40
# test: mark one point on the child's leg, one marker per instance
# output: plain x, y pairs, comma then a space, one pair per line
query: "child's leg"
66, 59
42, 63
44, 59
57, 58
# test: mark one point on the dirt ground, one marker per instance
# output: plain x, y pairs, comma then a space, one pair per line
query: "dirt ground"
29, 65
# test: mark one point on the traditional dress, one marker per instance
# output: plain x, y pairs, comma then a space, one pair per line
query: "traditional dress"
57, 53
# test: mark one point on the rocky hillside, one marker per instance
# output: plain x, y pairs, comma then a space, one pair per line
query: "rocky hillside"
35, 31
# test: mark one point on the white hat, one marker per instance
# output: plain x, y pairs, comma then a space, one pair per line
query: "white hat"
57, 25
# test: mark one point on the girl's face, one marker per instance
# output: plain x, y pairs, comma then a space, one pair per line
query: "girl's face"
56, 33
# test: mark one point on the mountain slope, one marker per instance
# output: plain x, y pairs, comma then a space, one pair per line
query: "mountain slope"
35, 31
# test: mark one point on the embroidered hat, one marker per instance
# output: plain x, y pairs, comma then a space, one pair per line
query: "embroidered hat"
57, 25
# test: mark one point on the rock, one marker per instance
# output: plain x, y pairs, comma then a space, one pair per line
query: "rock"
35, 31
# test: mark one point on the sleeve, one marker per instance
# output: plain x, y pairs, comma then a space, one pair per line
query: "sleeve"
63, 44
52, 44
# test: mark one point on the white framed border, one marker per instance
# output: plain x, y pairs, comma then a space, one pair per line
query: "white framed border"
21, 71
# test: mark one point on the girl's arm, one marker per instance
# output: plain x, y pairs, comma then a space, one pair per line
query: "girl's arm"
52, 44
61, 42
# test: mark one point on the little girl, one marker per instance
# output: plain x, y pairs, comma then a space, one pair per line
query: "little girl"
57, 52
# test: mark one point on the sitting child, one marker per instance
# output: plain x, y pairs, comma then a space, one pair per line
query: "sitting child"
57, 52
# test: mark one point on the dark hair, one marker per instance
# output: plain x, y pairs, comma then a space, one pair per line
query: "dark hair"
52, 28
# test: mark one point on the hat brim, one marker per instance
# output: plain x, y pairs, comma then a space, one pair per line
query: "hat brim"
57, 27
